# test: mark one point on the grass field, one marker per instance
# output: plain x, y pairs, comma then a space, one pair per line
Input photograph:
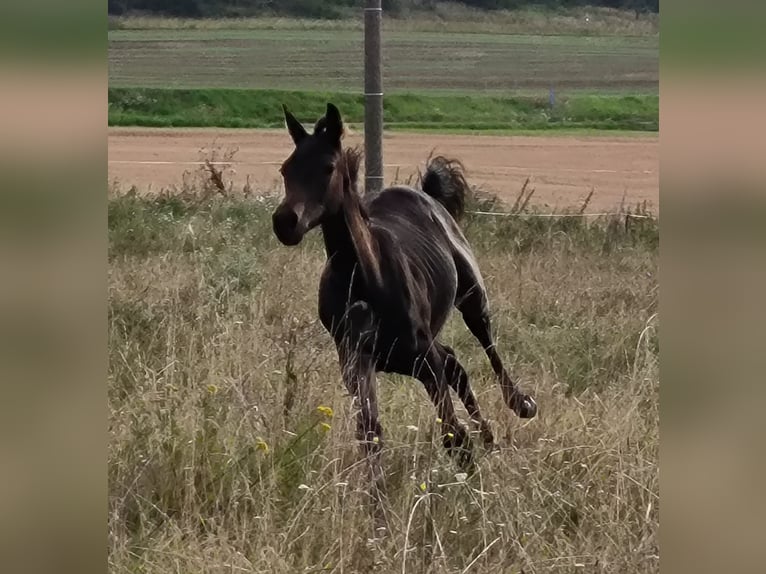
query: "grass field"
262, 109
176, 73
446, 17
332, 60
219, 460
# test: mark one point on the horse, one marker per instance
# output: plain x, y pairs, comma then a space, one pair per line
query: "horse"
397, 263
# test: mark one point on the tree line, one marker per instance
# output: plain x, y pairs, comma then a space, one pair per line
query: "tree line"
339, 8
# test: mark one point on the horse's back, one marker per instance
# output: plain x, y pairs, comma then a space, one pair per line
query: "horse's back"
396, 200
413, 220
420, 219
399, 208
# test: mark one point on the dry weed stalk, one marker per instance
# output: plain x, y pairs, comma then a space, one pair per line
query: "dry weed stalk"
522, 200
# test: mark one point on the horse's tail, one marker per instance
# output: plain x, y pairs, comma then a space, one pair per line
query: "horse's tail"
444, 180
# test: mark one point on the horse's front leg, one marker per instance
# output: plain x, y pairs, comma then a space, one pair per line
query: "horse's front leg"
356, 352
359, 378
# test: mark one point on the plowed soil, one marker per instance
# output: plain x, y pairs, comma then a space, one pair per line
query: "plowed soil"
562, 169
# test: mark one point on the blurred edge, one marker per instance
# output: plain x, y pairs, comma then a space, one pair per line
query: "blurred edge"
713, 280
52, 294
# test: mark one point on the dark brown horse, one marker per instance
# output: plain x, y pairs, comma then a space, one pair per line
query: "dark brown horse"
397, 263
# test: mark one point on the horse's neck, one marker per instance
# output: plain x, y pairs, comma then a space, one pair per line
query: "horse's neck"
337, 235
348, 239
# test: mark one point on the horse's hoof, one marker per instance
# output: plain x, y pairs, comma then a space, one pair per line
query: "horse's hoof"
527, 407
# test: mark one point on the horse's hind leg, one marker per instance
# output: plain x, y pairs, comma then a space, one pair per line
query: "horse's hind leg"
458, 380
474, 308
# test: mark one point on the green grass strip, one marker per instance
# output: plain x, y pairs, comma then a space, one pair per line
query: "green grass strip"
237, 108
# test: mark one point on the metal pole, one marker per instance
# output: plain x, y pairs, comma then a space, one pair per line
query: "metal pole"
373, 98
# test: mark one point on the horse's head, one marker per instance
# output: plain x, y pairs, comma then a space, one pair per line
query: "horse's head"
312, 188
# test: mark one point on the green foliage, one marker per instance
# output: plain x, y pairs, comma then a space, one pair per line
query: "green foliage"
263, 109
140, 231
143, 226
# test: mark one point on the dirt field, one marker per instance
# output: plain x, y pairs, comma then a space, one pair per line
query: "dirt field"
563, 169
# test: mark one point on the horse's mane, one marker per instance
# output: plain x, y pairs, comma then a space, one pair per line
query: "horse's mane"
351, 158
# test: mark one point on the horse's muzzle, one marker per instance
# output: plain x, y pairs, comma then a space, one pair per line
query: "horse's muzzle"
287, 226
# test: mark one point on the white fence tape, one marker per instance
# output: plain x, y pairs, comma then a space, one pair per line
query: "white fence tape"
605, 214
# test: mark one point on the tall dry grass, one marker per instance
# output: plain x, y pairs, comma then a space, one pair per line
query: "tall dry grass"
221, 461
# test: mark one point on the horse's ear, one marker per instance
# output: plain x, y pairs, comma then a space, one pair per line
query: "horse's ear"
296, 129
333, 124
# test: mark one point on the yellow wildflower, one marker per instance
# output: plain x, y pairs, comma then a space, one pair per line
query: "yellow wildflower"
260, 444
325, 426
423, 486
375, 439
212, 389
326, 411
451, 435
438, 420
